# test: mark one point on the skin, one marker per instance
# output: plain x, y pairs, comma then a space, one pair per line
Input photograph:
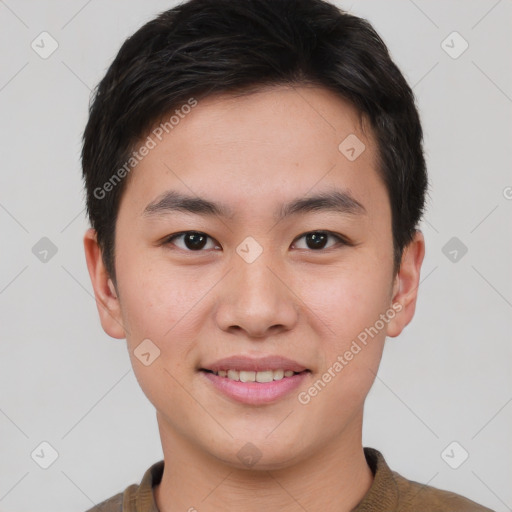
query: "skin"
254, 153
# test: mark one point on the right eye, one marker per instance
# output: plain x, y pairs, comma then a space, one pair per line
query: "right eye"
193, 241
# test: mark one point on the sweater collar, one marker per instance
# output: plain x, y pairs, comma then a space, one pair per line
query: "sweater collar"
382, 495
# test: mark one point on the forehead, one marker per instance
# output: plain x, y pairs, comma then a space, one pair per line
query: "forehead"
278, 143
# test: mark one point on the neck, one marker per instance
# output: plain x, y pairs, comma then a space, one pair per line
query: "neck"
335, 478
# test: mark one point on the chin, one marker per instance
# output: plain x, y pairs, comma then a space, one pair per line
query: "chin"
257, 453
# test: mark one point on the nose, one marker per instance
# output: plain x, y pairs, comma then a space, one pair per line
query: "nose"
256, 299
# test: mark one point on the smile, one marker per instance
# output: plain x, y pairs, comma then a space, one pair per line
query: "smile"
251, 376
255, 387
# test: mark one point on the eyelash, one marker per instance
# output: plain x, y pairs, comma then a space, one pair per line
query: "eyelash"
340, 239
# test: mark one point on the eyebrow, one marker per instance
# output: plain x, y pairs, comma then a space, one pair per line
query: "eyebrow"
331, 200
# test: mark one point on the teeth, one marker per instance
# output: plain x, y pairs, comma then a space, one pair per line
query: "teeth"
250, 376
247, 376
278, 374
233, 375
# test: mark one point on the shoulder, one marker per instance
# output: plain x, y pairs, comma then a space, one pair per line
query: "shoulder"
391, 491
122, 502
126, 500
113, 504
413, 496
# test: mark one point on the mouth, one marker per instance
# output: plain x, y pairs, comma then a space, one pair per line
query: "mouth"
254, 387
254, 380
262, 376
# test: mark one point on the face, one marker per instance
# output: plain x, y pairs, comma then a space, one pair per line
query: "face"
291, 260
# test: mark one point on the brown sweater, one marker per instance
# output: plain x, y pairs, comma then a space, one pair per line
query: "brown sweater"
389, 492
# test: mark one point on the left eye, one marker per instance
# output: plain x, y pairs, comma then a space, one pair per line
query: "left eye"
317, 239
195, 240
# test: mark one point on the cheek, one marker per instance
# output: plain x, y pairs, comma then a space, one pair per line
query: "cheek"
350, 345
347, 301
159, 306
153, 299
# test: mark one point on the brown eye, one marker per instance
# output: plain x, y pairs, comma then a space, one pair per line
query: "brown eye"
191, 240
317, 240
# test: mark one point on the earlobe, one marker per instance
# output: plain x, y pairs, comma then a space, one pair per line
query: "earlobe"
105, 294
405, 288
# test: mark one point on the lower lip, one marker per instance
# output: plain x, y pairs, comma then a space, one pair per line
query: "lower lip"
255, 393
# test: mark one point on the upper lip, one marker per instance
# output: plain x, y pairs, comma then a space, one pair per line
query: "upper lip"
244, 363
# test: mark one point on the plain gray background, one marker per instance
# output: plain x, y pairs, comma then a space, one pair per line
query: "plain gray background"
63, 381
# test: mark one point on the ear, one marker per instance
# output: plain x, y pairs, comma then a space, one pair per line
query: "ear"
105, 293
405, 288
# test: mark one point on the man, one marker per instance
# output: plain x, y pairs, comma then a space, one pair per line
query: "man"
255, 178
